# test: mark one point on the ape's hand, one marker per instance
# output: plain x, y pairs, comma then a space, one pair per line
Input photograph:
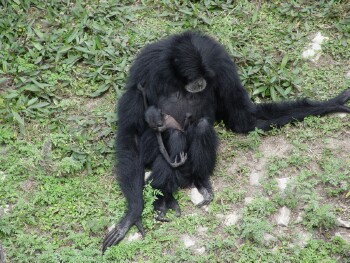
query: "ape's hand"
120, 230
183, 158
343, 98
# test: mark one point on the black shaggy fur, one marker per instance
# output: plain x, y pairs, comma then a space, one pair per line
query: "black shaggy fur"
164, 68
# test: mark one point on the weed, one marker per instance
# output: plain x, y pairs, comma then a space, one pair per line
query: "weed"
260, 207
63, 64
254, 228
320, 216
335, 174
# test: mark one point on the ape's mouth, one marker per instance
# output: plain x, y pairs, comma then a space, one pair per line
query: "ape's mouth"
197, 85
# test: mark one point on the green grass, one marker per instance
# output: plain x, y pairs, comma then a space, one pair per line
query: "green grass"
63, 66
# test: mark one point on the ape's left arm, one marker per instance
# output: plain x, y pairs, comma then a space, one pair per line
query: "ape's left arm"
241, 115
234, 106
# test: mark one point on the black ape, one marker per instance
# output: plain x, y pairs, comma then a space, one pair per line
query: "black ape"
189, 73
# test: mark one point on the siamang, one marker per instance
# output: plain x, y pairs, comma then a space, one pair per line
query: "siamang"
188, 74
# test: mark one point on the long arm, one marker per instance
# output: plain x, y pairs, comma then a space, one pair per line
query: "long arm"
130, 167
241, 115
279, 114
234, 106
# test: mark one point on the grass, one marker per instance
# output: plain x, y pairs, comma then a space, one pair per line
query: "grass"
63, 66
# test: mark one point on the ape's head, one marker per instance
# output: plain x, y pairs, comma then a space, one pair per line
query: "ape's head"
190, 62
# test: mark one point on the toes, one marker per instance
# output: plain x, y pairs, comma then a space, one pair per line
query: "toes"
116, 235
177, 211
203, 203
173, 204
161, 217
208, 197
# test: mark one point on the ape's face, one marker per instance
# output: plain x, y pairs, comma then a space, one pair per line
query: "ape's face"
197, 85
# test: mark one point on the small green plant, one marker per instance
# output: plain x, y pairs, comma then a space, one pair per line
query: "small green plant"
260, 207
322, 251
300, 190
335, 175
6, 135
276, 166
253, 228
68, 165
318, 215
254, 138
267, 78
149, 196
231, 196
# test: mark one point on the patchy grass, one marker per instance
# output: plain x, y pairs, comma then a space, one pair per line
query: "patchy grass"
63, 66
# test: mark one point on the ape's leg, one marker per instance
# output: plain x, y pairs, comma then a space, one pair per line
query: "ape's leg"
205, 188
149, 147
166, 178
163, 204
241, 115
150, 152
202, 154
279, 114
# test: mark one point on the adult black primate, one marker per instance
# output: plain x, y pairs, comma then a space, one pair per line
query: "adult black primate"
188, 73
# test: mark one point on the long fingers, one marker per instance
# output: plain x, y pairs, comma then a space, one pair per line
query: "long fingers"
118, 233
183, 158
140, 227
343, 97
344, 108
161, 217
112, 238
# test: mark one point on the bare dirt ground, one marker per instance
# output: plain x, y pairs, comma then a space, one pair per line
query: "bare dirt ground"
287, 223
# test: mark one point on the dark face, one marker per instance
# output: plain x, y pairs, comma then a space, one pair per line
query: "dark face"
155, 119
197, 85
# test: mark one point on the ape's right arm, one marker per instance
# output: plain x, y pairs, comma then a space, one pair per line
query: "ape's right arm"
130, 166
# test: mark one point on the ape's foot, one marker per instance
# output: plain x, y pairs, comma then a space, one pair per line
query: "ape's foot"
161, 216
207, 194
120, 230
163, 204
